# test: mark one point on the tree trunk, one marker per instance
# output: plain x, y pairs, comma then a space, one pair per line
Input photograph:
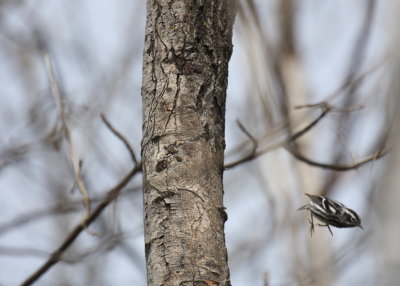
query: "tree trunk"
188, 44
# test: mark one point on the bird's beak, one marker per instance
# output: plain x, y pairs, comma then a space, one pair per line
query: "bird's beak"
361, 226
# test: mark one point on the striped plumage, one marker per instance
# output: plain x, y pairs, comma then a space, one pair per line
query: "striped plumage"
330, 212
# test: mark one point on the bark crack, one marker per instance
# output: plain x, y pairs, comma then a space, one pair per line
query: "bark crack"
174, 103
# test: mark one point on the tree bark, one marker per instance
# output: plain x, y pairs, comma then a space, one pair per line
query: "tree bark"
188, 44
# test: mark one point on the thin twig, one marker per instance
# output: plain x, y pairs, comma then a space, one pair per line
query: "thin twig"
325, 105
57, 254
288, 146
253, 153
336, 167
76, 165
256, 153
120, 136
326, 109
251, 137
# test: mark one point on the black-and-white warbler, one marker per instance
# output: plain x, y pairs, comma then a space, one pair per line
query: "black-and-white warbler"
330, 212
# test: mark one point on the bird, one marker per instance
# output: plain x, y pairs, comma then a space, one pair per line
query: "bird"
331, 213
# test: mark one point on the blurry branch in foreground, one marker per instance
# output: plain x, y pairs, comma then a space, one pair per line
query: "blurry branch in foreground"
111, 195
76, 163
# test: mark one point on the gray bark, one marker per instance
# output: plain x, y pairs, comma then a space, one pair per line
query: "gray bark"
188, 44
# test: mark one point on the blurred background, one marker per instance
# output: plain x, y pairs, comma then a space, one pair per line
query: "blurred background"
294, 62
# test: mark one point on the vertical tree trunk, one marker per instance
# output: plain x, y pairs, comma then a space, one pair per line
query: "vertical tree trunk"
187, 48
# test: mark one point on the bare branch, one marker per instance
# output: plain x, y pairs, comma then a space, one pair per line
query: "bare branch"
253, 152
256, 153
251, 137
112, 194
336, 167
325, 105
67, 133
57, 254
120, 136
326, 109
